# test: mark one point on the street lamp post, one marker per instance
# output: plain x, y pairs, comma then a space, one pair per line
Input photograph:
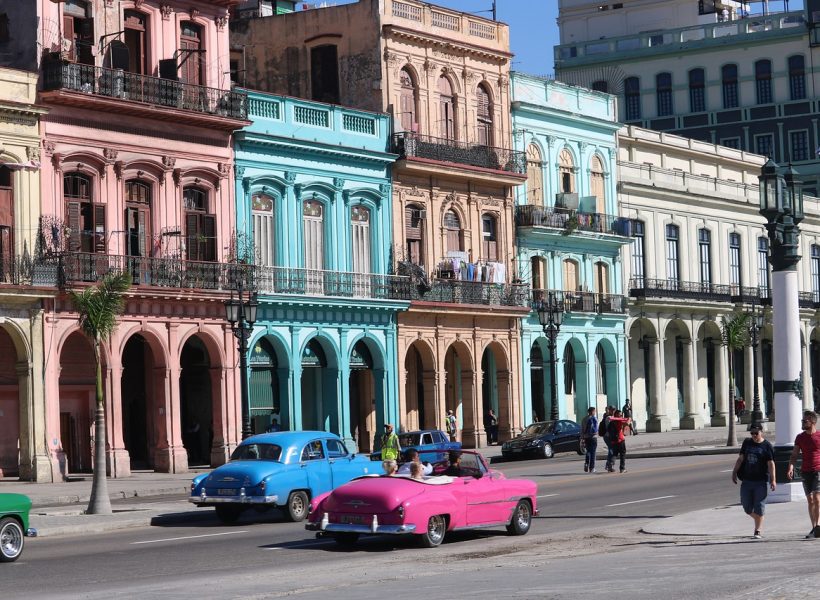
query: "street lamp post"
781, 204
754, 330
550, 315
241, 314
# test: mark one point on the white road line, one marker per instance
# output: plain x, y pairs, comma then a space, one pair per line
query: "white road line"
636, 501
727, 470
191, 537
547, 496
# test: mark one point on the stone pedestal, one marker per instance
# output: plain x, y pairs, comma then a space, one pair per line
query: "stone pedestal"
119, 463
692, 422
171, 460
657, 424
720, 420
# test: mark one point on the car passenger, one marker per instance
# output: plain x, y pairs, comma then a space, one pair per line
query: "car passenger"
390, 467
417, 470
411, 456
454, 469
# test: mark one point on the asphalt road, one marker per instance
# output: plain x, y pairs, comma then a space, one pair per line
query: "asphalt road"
581, 516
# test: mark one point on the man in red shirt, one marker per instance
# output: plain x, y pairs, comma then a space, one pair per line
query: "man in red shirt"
616, 425
808, 443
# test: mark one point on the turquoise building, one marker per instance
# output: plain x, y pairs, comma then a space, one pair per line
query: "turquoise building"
568, 239
313, 211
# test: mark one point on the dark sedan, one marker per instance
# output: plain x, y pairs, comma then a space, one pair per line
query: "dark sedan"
544, 439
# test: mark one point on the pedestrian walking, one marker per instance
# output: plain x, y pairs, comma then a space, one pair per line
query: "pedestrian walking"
617, 443
589, 428
391, 449
491, 427
603, 432
450, 425
628, 415
807, 443
755, 469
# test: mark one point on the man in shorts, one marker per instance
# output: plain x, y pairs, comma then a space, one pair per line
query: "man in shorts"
807, 443
755, 468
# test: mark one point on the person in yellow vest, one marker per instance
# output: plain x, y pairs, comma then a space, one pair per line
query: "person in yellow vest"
391, 449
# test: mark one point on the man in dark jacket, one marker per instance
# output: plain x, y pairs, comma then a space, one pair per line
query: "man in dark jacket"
589, 431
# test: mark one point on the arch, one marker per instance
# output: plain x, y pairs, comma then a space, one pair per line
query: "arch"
453, 230
495, 391
448, 108
212, 344
319, 360
69, 331
459, 391
539, 390
77, 398
420, 386
331, 349
277, 184
606, 359
83, 159
575, 396
200, 401
150, 169
377, 351
677, 339
155, 342
14, 401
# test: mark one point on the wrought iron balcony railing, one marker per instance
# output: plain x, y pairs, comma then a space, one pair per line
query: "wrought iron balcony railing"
27, 270
455, 291
116, 83
672, 288
312, 282
570, 220
414, 145
587, 302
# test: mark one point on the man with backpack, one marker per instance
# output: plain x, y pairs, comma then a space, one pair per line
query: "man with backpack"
603, 431
589, 429
617, 444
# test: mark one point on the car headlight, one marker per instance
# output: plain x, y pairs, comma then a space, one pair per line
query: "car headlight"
400, 511
536, 442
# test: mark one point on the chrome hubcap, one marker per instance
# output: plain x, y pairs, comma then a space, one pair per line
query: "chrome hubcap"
11, 540
435, 529
296, 505
523, 516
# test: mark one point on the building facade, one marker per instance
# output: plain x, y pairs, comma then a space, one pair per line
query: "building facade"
136, 176
699, 254
22, 403
712, 71
314, 196
444, 78
569, 242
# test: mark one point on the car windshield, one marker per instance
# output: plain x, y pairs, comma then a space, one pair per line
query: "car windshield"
409, 439
539, 428
257, 452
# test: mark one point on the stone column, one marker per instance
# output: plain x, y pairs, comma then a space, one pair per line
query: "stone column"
721, 416
658, 420
748, 383
692, 418
119, 459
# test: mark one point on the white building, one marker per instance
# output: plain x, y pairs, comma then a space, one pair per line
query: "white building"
699, 253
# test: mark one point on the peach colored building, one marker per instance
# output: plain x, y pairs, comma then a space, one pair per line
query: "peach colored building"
444, 77
137, 176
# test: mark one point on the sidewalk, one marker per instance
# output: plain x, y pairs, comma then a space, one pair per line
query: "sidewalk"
58, 507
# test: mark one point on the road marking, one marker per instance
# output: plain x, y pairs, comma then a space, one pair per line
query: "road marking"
637, 501
191, 537
727, 470
547, 496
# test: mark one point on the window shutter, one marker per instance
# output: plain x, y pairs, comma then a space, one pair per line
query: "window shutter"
209, 230
192, 232
68, 35
73, 212
99, 228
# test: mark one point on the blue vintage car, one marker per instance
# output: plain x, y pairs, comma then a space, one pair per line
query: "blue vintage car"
425, 440
284, 470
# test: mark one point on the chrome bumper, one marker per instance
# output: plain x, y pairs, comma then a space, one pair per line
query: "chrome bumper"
31, 532
373, 528
203, 499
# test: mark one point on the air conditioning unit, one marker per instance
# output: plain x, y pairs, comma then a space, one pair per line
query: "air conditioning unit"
422, 214
567, 200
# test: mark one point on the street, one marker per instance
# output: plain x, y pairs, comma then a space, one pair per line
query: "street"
588, 529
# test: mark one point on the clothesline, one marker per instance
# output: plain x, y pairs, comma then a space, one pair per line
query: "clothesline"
483, 271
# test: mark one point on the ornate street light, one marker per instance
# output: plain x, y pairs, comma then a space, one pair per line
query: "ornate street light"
781, 203
240, 312
550, 315
755, 325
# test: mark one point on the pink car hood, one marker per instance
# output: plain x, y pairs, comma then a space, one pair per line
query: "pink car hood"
378, 494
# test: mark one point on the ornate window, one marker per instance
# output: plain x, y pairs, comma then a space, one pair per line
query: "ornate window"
264, 228
137, 218
314, 234
192, 53
601, 277
597, 184
414, 220
489, 237
86, 220
408, 102
565, 171
135, 36
360, 236
673, 254
455, 238
535, 177
200, 227
484, 114
447, 109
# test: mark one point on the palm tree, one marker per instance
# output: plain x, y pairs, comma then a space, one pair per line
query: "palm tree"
98, 307
735, 332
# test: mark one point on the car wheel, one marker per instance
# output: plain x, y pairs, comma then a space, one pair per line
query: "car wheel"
297, 506
228, 513
436, 528
547, 450
521, 519
346, 540
11, 540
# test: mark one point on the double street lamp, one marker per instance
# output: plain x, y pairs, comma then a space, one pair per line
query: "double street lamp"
755, 325
240, 311
781, 204
550, 315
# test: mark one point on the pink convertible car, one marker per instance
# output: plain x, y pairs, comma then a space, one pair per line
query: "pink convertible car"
473, 497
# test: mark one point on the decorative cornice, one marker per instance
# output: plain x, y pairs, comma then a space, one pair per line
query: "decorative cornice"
167, 10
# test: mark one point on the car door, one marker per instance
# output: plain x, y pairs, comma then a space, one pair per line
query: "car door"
342, 466
316, 467
563, 437
485, 494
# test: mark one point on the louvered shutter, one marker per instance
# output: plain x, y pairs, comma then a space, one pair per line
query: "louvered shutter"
192, 233
99, 228
68, 35
209, 231
73, 212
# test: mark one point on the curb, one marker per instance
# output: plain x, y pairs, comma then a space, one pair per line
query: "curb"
661, 452
63, 500
83, 524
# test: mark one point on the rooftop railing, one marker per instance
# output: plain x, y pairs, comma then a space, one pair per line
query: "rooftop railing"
414, 145
117, 83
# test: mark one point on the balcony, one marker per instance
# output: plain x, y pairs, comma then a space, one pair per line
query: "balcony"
454, 291
570, 221
338, 284
640, 287
583, 302
115, 90
461, 154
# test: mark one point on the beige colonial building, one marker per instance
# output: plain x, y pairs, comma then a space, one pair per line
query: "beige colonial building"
699, 254
23, 449
444, 77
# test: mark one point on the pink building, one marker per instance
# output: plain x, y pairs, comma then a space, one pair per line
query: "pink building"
137, 175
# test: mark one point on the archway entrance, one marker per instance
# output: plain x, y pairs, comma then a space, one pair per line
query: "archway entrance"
263, 388
9, 408
495, 391
77, 402
538, 399
362, 394
318, 389
419, 389
196, 402
458, 393
138, 426
576, 389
